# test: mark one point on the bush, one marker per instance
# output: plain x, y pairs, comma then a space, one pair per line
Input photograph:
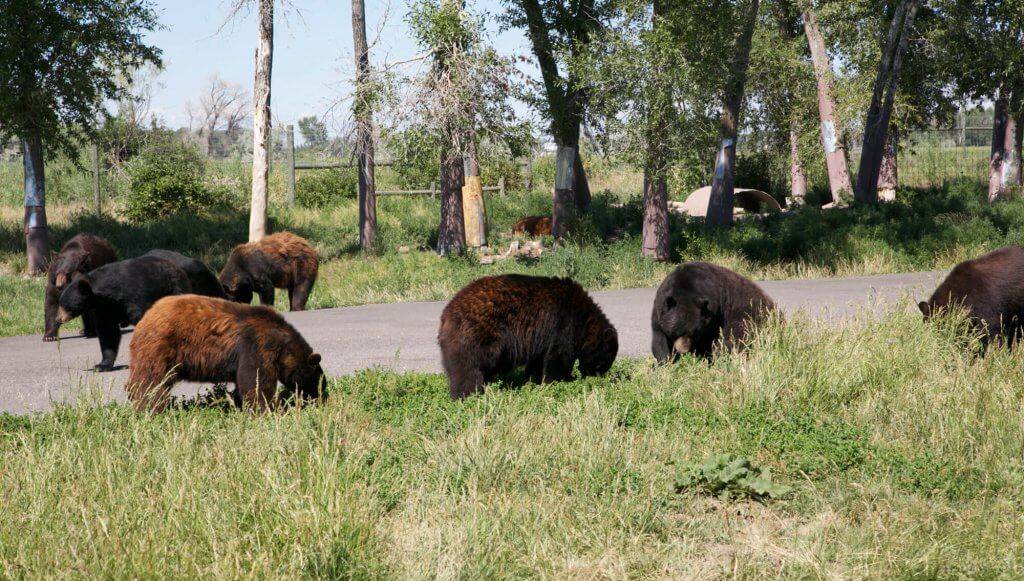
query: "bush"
166, 179
324, 188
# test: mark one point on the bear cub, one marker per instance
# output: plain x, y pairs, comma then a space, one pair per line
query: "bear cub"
194, 338
281, 260
81, 254
700, 304
497, 323
991, 289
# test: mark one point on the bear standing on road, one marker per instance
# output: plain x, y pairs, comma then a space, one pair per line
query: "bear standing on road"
193, 338
120, 292
281, 260
991, 288
81, 254
497, 323
699, 304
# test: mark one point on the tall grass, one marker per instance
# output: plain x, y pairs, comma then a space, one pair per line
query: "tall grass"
903, 448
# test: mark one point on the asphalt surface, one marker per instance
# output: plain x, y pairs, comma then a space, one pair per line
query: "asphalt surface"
403, 336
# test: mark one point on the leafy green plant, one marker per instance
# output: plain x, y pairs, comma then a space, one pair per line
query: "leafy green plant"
729, 477
167, 179
321, 189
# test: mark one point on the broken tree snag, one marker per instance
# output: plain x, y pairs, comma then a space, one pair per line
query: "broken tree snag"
995, 162
473, 210
563, 202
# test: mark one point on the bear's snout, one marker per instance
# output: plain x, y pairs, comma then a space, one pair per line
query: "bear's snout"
682, 345
63, 316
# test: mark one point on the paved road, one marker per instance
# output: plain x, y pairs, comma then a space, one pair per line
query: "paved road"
402, 336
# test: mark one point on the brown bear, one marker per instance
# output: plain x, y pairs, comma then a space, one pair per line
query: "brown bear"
81, 254
196, 338
534, 226
700, 306
281, 260
497, 323
990, 288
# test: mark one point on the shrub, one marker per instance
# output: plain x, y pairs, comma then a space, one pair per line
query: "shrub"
324, 188
729, 477
167, 179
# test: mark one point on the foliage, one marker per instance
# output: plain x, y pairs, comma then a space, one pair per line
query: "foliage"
325, 188
60, 61
313, 131
729, 477
166, 179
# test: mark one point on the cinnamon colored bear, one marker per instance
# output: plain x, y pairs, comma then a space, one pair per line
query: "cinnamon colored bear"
281, 260
194, 338
497, 323
81, 254
533, 226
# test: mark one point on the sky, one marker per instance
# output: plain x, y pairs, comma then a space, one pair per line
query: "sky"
313, 57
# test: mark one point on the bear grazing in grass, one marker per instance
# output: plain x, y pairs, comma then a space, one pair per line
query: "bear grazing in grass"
81, 254
120, 292
281, 260
699, 304
193, 338
203, 280
990, 288
497, 323
533, 226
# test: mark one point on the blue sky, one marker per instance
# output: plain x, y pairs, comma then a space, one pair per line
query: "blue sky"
312, 51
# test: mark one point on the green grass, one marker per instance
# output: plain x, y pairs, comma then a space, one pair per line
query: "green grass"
902, 449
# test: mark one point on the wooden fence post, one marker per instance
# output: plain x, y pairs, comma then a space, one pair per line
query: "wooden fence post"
96, 195
291, 164
501, 186
529, 173
433, 189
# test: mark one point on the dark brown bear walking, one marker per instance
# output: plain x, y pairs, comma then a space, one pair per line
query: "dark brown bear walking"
699, 304
281, 260
991, 288
497, 323
194, 338
81, 254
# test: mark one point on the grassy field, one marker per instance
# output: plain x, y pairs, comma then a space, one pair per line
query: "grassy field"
902, 450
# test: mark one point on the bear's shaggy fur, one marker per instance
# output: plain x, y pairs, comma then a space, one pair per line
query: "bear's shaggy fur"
194, 338
201, 277
81, 254
701, 305
990, 288
281, 260
497, 323
120, 293
534, 226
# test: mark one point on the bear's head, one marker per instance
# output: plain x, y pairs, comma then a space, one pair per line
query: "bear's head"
238, 290
600, 346
76, 298
306, 376
690, 324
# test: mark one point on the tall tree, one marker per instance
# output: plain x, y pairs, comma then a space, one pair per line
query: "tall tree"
831, 129
60, 60
720, 204
876, 125
313, 131
363, 113
559, 32
261, 121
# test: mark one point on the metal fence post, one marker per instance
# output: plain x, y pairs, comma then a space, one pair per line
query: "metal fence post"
291, 165
96, 194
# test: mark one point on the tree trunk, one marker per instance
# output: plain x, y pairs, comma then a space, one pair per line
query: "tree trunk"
364, 130
451, 235
655, 229
876, 125
835, 154
562, 204
797, 177
37, 242
888, 175
261, 123
1011, 156
720, 204
474, 213
995, 165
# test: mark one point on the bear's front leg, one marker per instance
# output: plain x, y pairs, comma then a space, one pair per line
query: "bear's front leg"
660, 346
255, 384
109, 333
50, 323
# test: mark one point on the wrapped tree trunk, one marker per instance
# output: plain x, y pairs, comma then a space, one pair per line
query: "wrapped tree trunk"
888, 175
562, 201
261, 123
1011, 154
473, 211
37, 243
364, 130
721, 201
995, 164
797, 177
835, 153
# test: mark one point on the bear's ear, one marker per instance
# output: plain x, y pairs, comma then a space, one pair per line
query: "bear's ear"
314, 359
61, 280
926, 309
84, 287
670, 302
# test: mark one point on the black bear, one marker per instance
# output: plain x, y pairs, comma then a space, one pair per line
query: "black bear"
203, 280
120, 293
497, 323
281, 260
81, 254
194, 338
990, 288
699, 304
